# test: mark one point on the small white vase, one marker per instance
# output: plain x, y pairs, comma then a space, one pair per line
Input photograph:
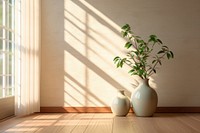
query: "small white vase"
121, 104
144, 99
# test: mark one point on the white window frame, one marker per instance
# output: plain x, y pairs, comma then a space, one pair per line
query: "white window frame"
8, 28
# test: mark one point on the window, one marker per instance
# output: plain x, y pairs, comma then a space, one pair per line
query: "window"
7, 47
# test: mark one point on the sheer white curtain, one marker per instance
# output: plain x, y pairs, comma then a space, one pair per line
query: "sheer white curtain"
28, 90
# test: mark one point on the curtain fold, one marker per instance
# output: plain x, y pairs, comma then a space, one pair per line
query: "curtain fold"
28, 92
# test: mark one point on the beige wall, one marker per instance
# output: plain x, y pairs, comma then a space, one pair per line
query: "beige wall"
81, 38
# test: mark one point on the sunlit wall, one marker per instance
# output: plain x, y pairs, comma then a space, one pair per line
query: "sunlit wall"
81, 38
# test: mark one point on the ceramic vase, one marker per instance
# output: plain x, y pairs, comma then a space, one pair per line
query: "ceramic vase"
121, 104
144, 99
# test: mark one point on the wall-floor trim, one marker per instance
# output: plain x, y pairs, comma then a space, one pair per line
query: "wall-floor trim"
108, 110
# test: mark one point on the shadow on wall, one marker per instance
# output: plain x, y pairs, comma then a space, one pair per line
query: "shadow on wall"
91, 78
92, 39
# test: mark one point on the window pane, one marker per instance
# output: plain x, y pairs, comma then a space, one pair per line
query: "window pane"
10, 36
9, 92
1, 81
10, 16
11, 2
7, 64
9, 46
1, 32
10, 81
1, 63
11, 64
6, 10
1, 45
1, 12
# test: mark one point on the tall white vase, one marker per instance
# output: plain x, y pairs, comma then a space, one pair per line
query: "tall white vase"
144, 99
121, 104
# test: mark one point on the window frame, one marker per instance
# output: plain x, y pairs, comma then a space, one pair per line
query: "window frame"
7, 53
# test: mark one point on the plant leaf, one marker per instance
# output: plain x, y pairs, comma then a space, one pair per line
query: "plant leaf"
154, 70
172, 54
136, 52
160, 52
118, 64
128, 45
168, 55
153, 61
159, 41
124, 34
131, 71
122, 62
125, 27
116, 59
153, 36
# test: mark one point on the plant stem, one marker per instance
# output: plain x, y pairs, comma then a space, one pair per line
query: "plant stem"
129, 64
155, 64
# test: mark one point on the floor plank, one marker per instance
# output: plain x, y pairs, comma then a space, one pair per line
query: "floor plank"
56, 123
194, 123
125, 125
84, 120
102, 123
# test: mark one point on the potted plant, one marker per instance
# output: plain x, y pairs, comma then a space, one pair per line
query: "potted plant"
143, 58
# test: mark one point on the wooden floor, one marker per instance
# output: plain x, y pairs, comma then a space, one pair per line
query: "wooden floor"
102, 123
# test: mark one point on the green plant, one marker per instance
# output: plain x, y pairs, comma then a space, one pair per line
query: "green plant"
141, 56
